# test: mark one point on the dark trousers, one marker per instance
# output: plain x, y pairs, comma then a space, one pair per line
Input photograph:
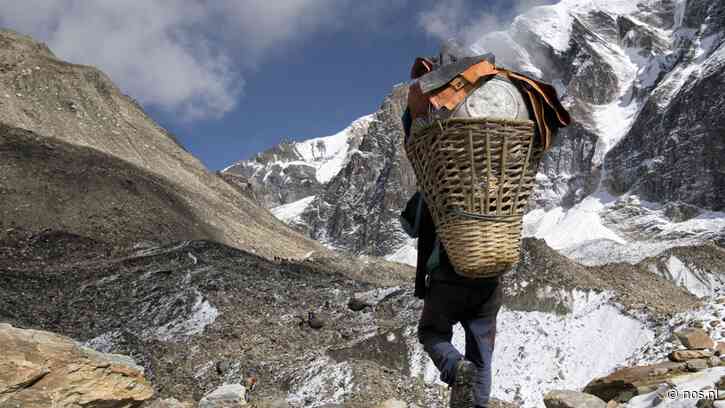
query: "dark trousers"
475, 307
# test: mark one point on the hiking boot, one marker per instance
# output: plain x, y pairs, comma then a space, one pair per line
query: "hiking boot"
462, 388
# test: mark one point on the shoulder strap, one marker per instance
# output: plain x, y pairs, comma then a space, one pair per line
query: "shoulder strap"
461, 86
418, 214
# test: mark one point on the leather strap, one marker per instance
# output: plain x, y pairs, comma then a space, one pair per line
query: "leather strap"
461, 86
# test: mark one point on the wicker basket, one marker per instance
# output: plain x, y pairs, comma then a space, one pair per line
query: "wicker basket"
477, 175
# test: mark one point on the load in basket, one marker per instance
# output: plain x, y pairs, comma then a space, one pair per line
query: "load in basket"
477, 136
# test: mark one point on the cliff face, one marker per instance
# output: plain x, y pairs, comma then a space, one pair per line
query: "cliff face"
675, 148
358, 209
76, 107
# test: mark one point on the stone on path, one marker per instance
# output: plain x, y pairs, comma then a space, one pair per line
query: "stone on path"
695, 339
696, 365
572, 399
226, 396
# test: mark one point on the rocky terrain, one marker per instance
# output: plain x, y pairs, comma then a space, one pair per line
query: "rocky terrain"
114, 236
197, 315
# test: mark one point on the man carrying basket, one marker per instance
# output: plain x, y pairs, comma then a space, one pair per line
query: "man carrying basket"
475, 134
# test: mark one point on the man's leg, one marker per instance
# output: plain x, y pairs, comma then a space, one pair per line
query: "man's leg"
480, 340
435, 330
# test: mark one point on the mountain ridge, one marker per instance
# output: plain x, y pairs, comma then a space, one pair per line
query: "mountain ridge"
614, 64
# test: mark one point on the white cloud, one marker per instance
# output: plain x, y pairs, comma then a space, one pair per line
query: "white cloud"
184, 56
465, 21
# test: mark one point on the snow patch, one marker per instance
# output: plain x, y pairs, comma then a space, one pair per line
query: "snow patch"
202, 314
562, 228
375, 296
612, 122
406, 254
292, 211
537, 352
683, 276
329, 154
323, 382
552, 24
650, 233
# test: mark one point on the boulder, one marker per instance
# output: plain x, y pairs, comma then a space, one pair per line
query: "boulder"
624, 384
316, 321
226, 396
572, 399
39, 369
695, 339
685, 355
697, 365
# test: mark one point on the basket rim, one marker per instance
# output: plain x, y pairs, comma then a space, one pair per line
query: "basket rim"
442, 123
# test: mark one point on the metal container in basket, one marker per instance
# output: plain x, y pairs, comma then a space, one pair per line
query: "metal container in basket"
477, 175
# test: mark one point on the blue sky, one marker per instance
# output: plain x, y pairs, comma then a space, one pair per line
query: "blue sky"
316, 89
231, 78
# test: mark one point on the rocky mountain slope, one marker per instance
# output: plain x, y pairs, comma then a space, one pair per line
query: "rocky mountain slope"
72, 108
638, 172
355, 205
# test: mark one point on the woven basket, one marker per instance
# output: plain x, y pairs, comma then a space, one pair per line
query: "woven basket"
477, 175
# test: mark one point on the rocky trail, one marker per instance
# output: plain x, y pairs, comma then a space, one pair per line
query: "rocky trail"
196, 315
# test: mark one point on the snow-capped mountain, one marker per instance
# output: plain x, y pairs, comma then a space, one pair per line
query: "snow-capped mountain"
639, 171
297, 170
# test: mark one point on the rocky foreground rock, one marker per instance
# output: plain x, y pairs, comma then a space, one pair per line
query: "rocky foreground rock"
572, 399
39, 369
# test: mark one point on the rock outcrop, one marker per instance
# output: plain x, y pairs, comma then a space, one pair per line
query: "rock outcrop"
359, 208
572, 399
40, 369
674, 149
